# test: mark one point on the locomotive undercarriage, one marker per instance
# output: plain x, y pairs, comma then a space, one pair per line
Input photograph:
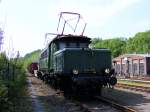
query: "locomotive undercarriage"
78, 85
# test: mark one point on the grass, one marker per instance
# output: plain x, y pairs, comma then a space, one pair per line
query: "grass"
23, 104
15, 98
19, 103
13, 86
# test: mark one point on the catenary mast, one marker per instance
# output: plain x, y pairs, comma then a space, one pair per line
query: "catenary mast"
1, 37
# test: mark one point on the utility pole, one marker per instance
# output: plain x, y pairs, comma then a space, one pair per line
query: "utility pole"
1, 39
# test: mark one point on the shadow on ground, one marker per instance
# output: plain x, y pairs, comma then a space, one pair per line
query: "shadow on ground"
132, 99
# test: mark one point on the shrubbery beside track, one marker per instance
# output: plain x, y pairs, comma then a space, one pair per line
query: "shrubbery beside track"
12, 83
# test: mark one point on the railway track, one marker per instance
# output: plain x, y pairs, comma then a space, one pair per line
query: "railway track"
98, 104
95, 104
116, 105
133, 87
101, 104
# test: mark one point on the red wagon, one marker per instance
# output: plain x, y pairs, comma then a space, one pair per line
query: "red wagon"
32, 67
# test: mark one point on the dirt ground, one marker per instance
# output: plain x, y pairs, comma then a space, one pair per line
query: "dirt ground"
45, 99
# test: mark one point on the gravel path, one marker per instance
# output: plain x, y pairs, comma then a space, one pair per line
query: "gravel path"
36, 103
45, 98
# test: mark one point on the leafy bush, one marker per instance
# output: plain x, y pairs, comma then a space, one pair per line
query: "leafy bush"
3, 96
12, 82
30, 57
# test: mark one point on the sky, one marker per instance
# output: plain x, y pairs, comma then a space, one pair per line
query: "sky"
25, 22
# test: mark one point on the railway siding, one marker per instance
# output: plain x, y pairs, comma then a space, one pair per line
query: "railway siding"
135, 85
135, 82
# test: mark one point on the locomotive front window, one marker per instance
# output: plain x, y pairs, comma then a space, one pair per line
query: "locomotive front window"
62, 45
76, 45
73, 45
83, 45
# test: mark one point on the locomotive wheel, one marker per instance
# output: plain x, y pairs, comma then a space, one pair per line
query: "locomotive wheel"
39, 75
49, 80
54, 83
67, 92
97, 90
75, 90
65, 84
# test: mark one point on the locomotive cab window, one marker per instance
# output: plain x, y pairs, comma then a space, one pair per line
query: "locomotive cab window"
63, 45
83, 45
72, 45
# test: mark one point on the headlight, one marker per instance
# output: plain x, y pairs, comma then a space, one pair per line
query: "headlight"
75, 71
107, 70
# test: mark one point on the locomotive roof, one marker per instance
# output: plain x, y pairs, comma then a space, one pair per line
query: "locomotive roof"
71, 38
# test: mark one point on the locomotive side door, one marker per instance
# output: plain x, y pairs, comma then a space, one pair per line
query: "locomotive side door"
52, 49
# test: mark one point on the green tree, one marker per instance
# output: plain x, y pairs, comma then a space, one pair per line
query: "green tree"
116, 45
140, 43
30, 57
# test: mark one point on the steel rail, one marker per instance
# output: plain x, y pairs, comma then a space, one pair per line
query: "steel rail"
115, 104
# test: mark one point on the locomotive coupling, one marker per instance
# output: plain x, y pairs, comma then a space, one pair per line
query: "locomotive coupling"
111, 79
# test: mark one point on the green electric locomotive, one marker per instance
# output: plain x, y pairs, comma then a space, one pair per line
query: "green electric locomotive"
70, 65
